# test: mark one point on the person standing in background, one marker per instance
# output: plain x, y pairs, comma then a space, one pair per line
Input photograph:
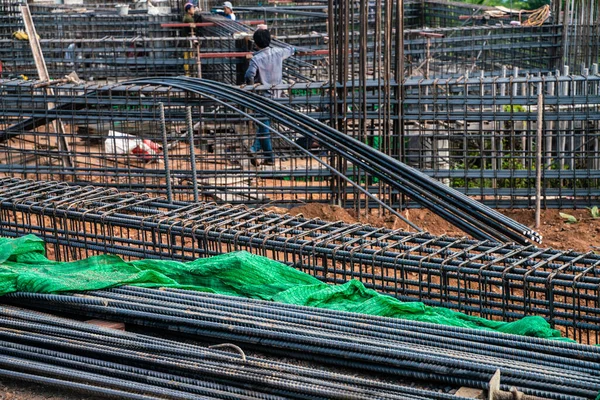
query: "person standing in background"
227, 11
189, 10
266, 67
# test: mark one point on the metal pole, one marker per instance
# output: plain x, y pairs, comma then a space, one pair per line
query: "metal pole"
538, 175
42, 70
190, 128
198, 60
163, 130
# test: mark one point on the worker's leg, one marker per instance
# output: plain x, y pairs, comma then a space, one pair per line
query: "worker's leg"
259, 131
264, 137
186, 56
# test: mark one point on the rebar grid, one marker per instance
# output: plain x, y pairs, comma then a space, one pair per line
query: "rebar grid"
97, 116
91, 24
464, 51
477, 135
139, 46
498, 281
222, 58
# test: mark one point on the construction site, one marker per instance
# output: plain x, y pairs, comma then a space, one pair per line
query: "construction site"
309, 199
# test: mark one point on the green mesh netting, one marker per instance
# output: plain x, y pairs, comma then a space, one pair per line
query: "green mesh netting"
24, 268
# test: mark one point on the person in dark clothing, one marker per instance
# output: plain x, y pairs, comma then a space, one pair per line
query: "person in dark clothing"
189, 16
191, 13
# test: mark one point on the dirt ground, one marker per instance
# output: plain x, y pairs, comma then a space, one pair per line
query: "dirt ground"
582, 236
18, 390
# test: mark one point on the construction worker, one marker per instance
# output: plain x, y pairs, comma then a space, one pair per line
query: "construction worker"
189, 16
227, 11
267, 63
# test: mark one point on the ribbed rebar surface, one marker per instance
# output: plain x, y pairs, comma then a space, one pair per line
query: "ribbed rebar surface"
65, 353
410, 350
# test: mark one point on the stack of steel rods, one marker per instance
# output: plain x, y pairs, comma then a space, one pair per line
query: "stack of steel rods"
467, 214
449, 356
55, 351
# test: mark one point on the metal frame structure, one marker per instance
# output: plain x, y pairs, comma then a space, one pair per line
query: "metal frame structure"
478, 135
140, 45
492, 280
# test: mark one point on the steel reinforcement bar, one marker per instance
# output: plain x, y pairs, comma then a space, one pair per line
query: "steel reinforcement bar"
478, 135
380, 345
38, 347
467, 214
493, 280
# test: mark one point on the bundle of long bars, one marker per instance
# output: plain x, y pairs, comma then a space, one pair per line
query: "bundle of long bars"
465, 213
446, 355
60, 352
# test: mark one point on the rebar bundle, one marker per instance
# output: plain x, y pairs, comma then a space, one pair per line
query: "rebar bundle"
468, 215
382, 345
489, 279
54, 351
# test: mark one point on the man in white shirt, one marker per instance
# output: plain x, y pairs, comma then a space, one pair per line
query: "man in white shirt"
227, 11
267, 66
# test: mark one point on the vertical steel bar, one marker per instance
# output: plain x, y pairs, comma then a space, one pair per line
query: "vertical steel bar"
538, 177
190, 129
163, 130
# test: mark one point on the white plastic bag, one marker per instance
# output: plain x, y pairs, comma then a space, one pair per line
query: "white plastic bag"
119, 143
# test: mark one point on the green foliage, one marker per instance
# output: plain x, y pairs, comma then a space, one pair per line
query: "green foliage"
508, 163
374, 141
513, 108
304, 92
569, 219
594, 212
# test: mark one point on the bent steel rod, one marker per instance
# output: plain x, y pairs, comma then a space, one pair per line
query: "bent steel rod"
459, 209
366, 157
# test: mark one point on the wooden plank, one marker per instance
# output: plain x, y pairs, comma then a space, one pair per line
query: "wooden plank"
120, 326
470, 393
40, 65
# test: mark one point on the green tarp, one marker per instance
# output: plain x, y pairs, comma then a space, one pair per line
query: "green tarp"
24, 268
